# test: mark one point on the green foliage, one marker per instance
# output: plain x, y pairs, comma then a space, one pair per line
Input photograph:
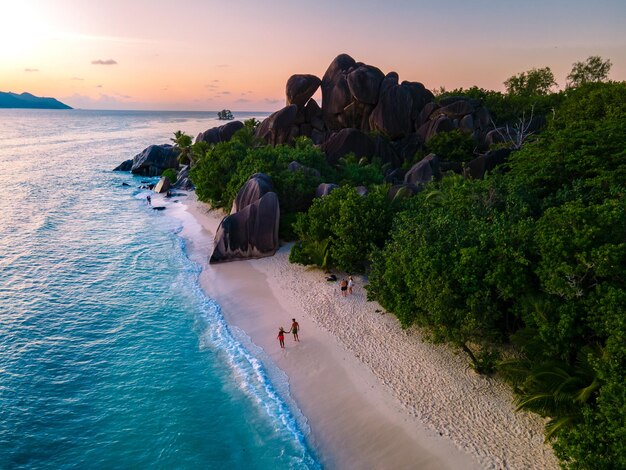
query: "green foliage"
251, 124
214, 169
591, 103
555, 389
285, 230
347, 226
533, 256
170, 174
531, 83
437, 272
456, 145
183, 142
508, 108
358, 173
222, 169
594, 69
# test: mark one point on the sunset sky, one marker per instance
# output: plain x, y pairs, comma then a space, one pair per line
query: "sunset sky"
238, 54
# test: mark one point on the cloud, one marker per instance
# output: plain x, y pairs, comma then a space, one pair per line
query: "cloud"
78, 78
212, 87
98, 86
104, 62
31, 70
272, 100
225, 92
222, 66
242, 100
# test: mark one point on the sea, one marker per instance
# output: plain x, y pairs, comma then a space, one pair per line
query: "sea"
111, 356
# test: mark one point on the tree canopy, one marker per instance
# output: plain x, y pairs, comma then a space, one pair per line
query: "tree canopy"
594, 69
532, 82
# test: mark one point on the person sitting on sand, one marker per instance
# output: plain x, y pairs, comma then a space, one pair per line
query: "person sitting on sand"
350, 285
295, 327
281, 337
344, 287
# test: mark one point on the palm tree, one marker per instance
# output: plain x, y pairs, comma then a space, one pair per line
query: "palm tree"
183, 142
554, 389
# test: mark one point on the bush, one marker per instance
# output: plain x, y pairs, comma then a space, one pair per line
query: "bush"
456, 145
170, 174
535, 256
342, 228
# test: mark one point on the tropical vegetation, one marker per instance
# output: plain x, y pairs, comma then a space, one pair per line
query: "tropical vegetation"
524, 270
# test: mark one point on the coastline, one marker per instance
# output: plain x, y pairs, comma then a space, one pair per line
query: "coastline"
374, 395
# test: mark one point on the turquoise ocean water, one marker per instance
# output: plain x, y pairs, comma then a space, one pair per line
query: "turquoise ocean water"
110, 354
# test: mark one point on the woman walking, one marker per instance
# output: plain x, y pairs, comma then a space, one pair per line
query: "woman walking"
281, 337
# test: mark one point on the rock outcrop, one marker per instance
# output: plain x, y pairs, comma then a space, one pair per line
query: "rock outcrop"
224, 133
124, 166
392, 114
251, 231
154, 160
297, 166
348, 141
254, 189
324, 189
423, 171
183, 181
300, 89
279, 127
163, 185
477, 168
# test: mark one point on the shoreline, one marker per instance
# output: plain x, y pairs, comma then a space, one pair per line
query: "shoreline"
374, 395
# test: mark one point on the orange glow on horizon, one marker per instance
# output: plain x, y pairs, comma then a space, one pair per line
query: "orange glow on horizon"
204, 55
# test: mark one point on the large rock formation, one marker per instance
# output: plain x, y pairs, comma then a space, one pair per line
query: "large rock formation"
254, 189
336, 92
252, 230
392, 114
348, 141
224, 133
361, 96
279, 127
154, 159
364, 83
300, 88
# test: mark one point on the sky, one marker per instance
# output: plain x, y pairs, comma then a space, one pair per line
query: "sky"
238, 54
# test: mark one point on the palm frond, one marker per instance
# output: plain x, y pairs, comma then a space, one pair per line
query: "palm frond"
556, 424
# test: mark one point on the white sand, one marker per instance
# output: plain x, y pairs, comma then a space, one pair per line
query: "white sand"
375, 396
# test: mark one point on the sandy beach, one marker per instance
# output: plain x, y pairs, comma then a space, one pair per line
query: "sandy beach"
374, 395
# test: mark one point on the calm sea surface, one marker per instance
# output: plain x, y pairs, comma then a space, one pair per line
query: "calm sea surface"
110, 354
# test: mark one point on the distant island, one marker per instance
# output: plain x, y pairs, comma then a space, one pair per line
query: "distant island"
26, 100
225, 115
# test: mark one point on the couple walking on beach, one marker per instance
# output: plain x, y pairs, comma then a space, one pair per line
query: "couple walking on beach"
295, 328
